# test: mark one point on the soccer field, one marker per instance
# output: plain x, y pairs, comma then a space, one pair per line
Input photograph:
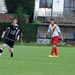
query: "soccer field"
33, 60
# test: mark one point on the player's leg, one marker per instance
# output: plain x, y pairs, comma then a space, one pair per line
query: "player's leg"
56, 41
2, 48
5, 41
11, 52
54, 49
56, 52
11, 45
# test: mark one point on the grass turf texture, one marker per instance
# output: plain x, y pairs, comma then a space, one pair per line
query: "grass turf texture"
33, 60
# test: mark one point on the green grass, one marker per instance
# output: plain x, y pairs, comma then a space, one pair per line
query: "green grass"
33, 60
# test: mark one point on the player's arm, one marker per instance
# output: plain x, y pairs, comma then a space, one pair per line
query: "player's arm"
18, 36
60, 34
2, 36
4, 31
46, 34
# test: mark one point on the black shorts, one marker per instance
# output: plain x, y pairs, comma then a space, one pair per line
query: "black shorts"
8, 42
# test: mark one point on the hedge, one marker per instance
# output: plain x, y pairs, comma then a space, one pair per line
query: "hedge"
29, 32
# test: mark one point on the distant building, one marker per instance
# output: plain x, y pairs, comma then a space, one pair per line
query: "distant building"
44, 7
3, 8
63, 11
53, 8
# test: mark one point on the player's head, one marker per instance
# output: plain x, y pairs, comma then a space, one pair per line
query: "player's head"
52, 21
15, 20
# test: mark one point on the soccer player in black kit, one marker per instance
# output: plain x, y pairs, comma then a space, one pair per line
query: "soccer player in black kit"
10, 35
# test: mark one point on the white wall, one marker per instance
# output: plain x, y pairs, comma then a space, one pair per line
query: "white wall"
58, 6
2, 7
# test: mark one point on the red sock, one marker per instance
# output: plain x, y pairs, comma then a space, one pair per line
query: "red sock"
53, 51
56, 53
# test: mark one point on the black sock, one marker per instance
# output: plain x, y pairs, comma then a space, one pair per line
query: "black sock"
1, 50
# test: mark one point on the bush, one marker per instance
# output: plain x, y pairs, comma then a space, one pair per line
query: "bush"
36, 21
29, 32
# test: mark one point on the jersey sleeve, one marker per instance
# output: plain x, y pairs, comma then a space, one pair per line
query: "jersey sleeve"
19, 31
6, 28
49, 28
58, 29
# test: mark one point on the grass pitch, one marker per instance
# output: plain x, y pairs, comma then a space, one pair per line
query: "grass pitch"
33, 60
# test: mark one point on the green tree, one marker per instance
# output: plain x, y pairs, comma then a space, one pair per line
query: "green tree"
20, 15
12, 6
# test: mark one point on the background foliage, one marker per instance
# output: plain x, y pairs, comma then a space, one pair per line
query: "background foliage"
12, 6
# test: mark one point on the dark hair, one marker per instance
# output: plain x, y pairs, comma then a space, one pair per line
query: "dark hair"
15, 18
52, 19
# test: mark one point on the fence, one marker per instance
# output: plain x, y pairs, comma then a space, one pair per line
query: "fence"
64, 17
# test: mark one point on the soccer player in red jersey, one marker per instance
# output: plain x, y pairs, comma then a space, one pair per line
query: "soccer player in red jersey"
55, 33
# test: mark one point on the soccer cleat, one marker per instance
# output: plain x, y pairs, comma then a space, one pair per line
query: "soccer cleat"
50, 56
56, 56
12, 54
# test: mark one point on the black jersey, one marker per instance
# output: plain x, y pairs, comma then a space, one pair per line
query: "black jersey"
11, 32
